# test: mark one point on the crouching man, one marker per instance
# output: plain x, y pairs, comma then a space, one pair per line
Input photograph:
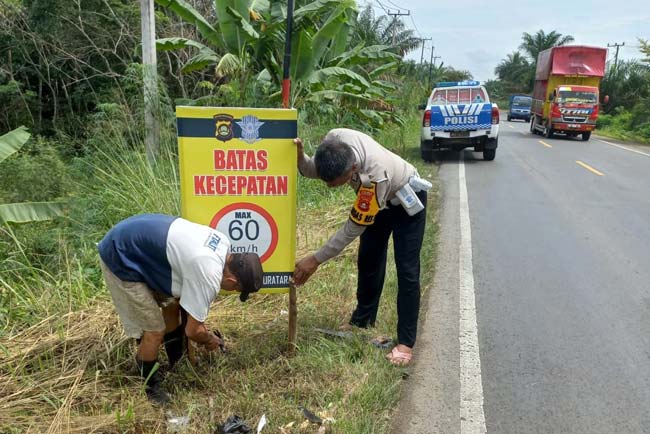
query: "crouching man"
155, 265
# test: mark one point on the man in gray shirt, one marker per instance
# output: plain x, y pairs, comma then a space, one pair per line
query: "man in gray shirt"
378, 176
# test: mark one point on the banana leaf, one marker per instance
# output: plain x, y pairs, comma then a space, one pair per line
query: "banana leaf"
192, 16
30, 211
334, 71
166, 44
13, 141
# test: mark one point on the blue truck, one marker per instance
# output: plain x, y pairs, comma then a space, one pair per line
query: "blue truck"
519, 107
459, 115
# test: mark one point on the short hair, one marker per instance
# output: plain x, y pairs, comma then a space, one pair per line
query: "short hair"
247, 268
333, 159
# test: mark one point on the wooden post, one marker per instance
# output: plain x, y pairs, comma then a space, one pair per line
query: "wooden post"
286, 65
150, 79
293, 318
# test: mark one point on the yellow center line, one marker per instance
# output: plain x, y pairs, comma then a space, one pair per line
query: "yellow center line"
589, 168
545, 144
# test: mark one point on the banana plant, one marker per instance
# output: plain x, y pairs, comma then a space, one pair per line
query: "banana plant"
247, 42
235, 40
28, 211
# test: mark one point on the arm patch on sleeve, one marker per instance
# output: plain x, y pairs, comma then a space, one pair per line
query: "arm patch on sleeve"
366, 206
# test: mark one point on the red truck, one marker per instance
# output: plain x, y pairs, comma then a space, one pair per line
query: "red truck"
565, 97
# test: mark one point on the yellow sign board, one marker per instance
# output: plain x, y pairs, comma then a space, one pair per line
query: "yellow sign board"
238, 174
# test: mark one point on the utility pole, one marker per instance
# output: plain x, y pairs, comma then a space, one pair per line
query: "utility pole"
617, 45
395, 15
150, 80
423, 44
431, 65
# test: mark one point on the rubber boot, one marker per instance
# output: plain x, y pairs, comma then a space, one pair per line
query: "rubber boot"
175, 345
154, 379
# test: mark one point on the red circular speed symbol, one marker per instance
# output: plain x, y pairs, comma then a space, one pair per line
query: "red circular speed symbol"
258, 209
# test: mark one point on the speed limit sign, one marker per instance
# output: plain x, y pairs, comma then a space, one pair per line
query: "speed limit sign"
238, 174
250, 229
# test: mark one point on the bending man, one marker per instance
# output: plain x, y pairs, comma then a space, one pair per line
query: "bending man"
380, 178
154, 265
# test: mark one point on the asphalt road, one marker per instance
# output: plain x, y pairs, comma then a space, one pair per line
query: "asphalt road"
558, 276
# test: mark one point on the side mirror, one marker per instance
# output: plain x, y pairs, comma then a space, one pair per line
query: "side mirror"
422, 106
606, 99
552, 96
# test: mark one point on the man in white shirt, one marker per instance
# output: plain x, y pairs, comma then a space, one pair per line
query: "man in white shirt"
155, 266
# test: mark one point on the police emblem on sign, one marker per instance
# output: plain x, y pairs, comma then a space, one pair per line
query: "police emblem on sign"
223, 127
250, 129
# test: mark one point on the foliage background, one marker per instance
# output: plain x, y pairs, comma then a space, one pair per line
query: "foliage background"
626, 116
70, 72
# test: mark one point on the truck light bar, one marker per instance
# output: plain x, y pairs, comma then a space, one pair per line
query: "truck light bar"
458, 83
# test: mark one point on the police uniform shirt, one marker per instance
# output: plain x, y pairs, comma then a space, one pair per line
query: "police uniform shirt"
380, 174
173, 256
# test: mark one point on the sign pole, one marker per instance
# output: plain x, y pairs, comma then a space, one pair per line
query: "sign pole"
286, 93
286, 79
293, 318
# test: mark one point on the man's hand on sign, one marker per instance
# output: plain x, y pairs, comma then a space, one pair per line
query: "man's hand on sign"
304, 269
300, 147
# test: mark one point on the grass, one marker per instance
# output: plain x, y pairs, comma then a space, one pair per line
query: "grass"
620, 134
66, 367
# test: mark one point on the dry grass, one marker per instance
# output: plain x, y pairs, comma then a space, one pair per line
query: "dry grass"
74, 373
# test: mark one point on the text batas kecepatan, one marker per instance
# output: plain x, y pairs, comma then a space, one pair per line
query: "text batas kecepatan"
240, 185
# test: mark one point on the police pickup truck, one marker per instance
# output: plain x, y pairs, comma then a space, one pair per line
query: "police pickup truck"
459, 115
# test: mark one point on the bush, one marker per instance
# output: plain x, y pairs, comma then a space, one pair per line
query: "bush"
604, 120
36, 173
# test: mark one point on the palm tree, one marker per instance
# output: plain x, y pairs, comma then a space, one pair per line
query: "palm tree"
381, 30
626, 85
511, 67
644, 47
534, 44
516, 71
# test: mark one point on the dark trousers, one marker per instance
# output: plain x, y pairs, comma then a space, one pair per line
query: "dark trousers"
408, 232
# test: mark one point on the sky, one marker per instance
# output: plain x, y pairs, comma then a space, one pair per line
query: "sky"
475, 35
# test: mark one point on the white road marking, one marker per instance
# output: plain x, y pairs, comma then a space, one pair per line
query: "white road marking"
624, 147
472, 418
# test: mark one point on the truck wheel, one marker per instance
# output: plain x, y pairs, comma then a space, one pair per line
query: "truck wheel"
489, 154
586, 135
548, 132
532, 127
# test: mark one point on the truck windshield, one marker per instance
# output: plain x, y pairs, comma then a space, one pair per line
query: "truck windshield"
577, 96
524, 101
